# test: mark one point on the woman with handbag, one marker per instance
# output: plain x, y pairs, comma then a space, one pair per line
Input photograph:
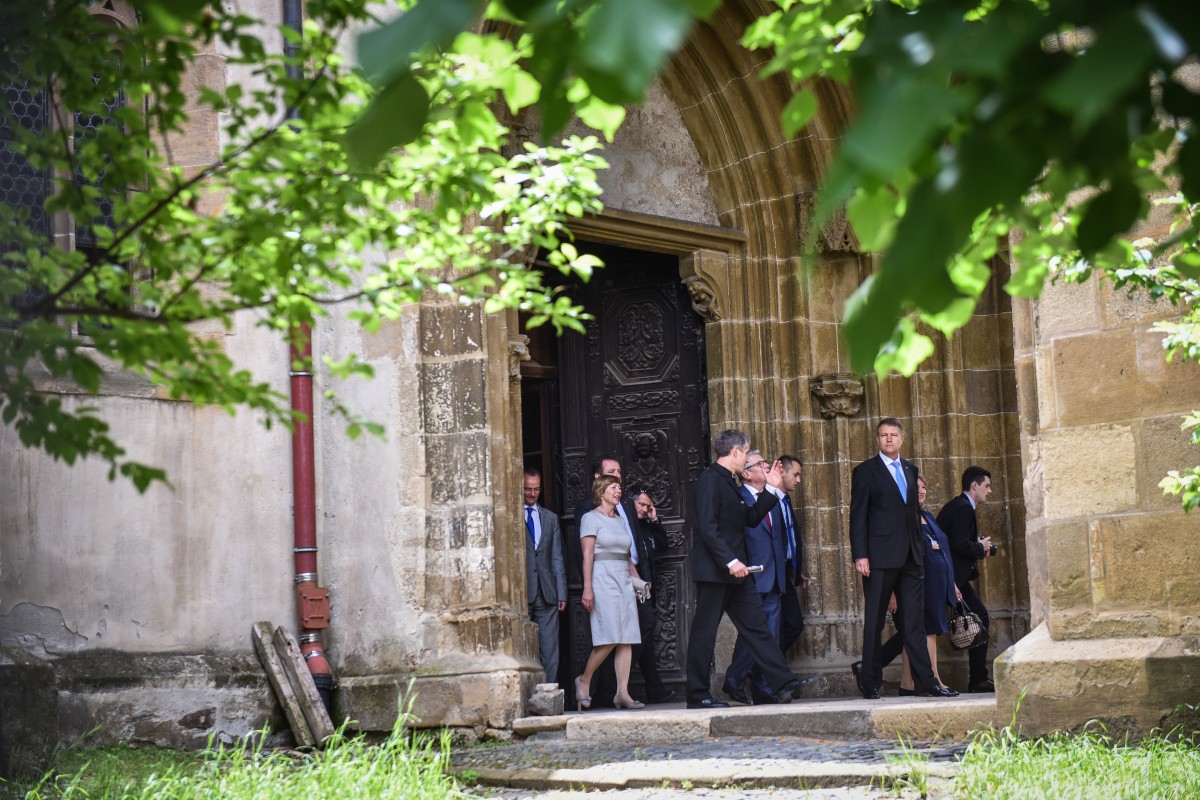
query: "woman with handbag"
610, 585
940, 590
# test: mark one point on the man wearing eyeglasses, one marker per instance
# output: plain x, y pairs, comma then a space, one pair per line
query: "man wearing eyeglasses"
764, 546
545, 573
719, 562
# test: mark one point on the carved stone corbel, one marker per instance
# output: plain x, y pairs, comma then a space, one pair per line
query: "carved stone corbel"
839, 394
518, 351
704, 274
835, 237
704, 299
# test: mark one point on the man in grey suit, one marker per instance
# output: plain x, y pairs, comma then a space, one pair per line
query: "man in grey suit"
545, 573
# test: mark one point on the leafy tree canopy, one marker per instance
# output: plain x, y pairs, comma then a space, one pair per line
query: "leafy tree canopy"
284, 223
1056, 126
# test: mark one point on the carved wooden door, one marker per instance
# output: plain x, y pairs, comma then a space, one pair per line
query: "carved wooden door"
634, 387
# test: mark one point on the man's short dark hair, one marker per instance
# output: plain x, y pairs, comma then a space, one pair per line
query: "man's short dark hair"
787, 461
972, 475
598, 464
727, 440
895, 423
533, 472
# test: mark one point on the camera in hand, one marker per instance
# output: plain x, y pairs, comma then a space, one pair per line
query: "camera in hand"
991, 550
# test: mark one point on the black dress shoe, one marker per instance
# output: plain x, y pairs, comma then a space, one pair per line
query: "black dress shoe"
856, 668
663, 696
791, 690
936, 691
871, 694
735, 693
982, 686
907, 692
707, 702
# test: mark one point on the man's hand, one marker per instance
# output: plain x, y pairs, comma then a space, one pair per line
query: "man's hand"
987, 546
562, 605
738, 570
803, 581
775, 474
863, 565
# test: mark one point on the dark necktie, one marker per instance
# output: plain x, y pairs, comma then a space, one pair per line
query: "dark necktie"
529, 525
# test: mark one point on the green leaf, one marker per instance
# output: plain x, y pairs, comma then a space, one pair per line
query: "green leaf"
1109, 214
626, 43
1117, 62
604, 117
873, 215
394, 117
798, 112
904, 351
387, 52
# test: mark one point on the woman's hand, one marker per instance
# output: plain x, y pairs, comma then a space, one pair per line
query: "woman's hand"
589, 599
957, 595
892, 604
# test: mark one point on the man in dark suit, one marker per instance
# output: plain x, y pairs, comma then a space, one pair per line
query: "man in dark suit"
791, 617
765, 546
718, 564
885, 543
642, 555
546, 577
958, 519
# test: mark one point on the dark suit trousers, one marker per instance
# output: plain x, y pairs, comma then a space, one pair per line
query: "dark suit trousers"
977, 657
741, 666
792, 618
908, 582
741, 602
643, 654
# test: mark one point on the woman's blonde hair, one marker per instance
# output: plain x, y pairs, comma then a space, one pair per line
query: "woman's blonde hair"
600, 485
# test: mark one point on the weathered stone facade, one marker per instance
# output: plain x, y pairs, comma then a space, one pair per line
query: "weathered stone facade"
143, 604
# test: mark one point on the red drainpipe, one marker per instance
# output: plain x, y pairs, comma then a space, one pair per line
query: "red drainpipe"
312, 601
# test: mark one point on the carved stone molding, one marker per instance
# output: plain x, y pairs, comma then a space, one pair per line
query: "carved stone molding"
835, 237
839, 394
518, 351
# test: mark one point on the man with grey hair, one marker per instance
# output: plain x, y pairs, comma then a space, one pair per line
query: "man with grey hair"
719, 570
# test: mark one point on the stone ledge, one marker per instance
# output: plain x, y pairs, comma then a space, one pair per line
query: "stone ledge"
1131, 686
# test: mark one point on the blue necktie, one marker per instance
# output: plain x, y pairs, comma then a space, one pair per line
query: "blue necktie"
900, 479
529, 524
791, 535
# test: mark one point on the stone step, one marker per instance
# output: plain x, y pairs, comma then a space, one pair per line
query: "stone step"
809, 744
892, 718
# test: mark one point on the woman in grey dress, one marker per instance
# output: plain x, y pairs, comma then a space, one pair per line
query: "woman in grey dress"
608, 591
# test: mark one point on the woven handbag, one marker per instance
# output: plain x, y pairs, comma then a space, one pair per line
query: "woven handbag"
966, 629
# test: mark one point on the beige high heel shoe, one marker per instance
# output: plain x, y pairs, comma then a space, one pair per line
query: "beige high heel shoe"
630, 704
583, 701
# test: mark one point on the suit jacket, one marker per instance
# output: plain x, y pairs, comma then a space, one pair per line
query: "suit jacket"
766, 544
957, 518
545, 573
884, 528
720, 522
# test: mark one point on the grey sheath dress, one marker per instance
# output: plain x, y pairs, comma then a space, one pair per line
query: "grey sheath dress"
615, 615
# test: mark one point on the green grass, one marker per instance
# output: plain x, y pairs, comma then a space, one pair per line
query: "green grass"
1001, 766
348, 768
